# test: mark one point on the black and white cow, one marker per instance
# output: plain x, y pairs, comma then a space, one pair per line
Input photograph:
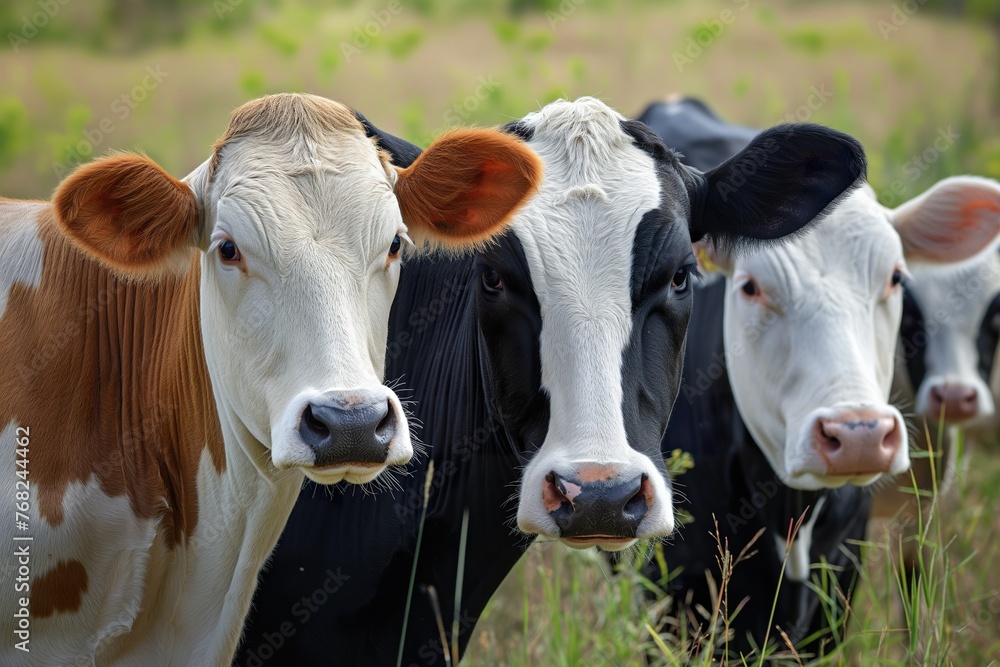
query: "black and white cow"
945, 362
784, 405
543, 370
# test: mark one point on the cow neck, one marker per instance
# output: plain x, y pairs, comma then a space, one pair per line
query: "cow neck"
434, 350
789, 503
475, 460
111, 380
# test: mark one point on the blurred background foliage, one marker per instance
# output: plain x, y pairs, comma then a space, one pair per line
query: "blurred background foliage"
75, 75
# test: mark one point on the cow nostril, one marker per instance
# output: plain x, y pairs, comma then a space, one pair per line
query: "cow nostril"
827, 439
638, 504
552, 496
313, 424
386, 428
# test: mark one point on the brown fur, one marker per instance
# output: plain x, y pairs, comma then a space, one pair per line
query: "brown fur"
59, 589
283, 116
469, 183
110, 377
128, 213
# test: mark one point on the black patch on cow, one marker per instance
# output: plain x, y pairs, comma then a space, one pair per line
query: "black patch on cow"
653, 359
913, 338
510, 328
701, 138
519, 129
987, 339
403, 153
795, 174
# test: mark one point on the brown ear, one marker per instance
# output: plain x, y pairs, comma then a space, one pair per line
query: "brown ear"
129, 214
465, 187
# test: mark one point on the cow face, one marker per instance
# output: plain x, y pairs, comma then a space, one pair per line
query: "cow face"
584, 304
810, 337
298, 219
828, 306
951, 314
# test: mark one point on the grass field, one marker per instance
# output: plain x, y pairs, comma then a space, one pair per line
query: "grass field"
81, 87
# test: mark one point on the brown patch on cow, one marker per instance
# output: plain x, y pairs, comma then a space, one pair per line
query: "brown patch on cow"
284, 116
110, 377
467, 185
596, 473
60, 589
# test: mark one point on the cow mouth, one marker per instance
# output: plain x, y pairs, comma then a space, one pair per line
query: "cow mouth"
349, 464
606, 542
354, 472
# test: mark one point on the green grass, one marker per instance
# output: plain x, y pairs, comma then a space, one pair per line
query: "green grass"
949, 614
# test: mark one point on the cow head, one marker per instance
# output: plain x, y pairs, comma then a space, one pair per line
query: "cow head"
811, 329
297, 217
584, 303
951, 311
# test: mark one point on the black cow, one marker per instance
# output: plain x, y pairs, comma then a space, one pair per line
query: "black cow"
543, 370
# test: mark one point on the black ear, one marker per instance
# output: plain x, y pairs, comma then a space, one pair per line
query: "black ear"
785, 178
402, 152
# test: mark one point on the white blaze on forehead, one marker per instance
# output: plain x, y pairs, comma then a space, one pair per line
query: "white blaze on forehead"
313, 221
828, 338
577, 234
19, 242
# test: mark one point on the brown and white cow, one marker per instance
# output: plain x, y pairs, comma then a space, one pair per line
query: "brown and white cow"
177, 355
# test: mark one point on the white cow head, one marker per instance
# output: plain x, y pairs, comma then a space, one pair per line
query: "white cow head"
297, 217
810, 335
951, 316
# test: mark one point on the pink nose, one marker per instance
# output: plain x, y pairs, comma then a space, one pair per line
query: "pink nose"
857, 442
959, 401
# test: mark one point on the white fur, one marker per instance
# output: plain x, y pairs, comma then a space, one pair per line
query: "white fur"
797, 565
824, 342
577, 235
20, 247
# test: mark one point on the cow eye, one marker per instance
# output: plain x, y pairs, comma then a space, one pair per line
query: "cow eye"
395, 246
680, 279
229, 251
897, 277
749, 288
491, 280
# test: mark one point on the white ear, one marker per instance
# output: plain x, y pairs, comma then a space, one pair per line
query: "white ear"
953, 221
